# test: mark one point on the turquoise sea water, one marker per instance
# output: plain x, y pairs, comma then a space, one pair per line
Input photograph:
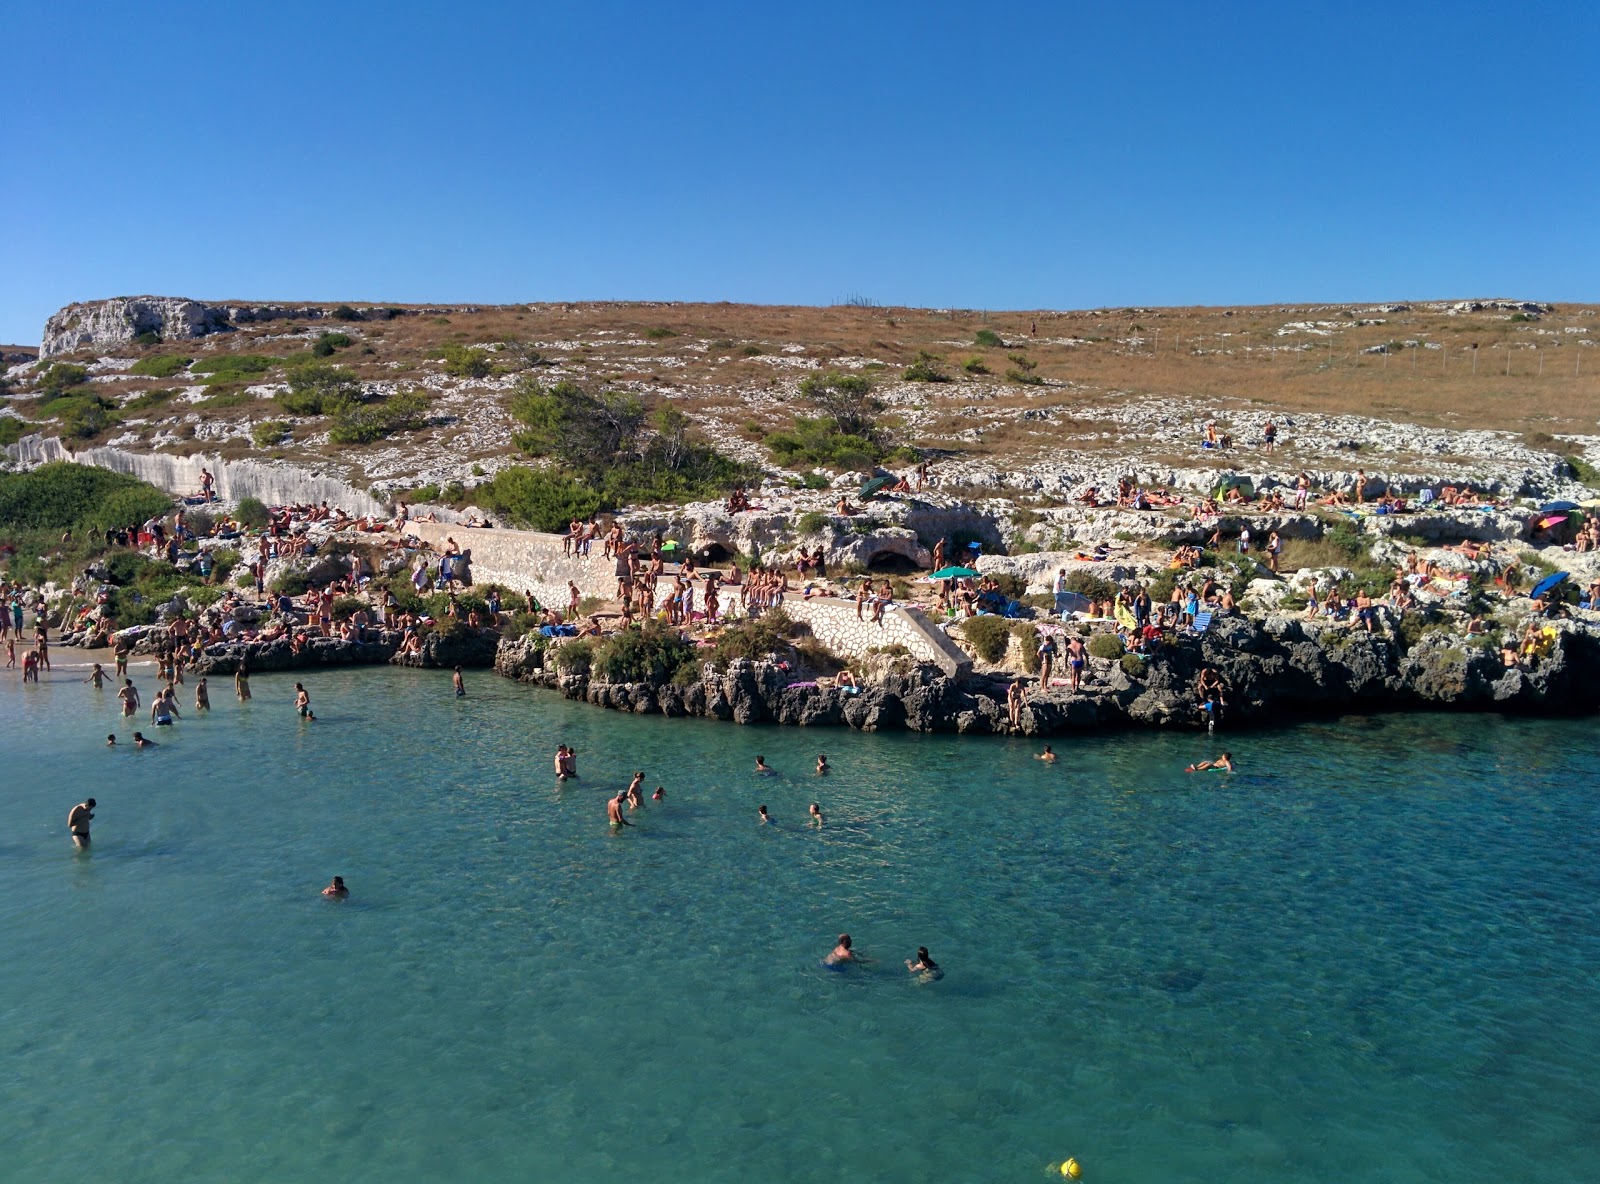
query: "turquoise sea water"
1371, 954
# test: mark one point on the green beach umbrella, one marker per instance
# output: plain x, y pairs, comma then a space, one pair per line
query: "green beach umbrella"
873, 486
955, 573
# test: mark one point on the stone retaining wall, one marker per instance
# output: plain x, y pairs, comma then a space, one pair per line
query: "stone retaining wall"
834, 623
523, 560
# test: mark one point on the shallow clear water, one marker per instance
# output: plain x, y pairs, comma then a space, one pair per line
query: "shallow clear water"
1371, 954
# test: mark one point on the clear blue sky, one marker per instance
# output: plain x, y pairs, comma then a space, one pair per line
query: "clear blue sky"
987, 156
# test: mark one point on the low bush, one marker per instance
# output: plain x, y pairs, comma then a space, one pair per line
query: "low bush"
320, 389
1024, 378
66, 496
291, 583
326, 344
364, 424
252, 512
535, 498
235, 364
59, 378
975, 366
653, 654
659, 333
927, 368
1088, 584
574, 657
344, 607
148, 401
752, 351
269, 434
812, 522
754, 638
989, 636
1132, 665
989, 339
466, 361
821, 442
159, 366
1105, 645
13, 429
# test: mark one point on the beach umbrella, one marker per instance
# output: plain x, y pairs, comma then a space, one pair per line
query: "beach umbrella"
872, 487
1551, 520
669, 545
1071, 602
1242, 484
1558, 507
955, 573
1546, 584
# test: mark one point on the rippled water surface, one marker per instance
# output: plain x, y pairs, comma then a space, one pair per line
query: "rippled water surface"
1370, 954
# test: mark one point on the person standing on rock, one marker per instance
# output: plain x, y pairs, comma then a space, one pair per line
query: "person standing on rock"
1016, 696
1361, 486
1274, 545
1075, 662
1047, 660
573, 597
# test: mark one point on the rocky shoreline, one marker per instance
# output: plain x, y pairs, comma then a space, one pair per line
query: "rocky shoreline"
1274, 671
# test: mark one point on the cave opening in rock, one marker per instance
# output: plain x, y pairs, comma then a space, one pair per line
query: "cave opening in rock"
892, 563
713, 555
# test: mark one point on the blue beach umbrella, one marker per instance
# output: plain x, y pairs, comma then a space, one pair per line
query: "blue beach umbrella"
1546, 584
1558, 507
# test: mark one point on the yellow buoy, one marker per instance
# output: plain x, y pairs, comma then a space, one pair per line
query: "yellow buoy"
1071, 1168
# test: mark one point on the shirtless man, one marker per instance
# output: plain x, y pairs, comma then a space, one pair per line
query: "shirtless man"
337, 889
1048, 756
816, 815
614, 811
78, 821
302, 703
1225, 761
823, 768
842, 953
762, 768
129, 694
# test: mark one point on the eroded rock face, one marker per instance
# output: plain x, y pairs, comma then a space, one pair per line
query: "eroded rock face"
100, 324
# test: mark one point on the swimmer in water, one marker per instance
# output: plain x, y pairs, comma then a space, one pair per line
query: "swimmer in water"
336, 890
762, 816
614, 811
302, 703
842, 953
78, 821
1225, 761
632, 792
660, 795
1048, 755
129, 694
140, 742
241, 683
924, 967
822, 765
761, 767
460, 686
816, 814
202, 697
96, 676
111, 740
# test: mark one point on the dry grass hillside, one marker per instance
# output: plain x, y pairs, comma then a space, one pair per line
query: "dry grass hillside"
1016, 386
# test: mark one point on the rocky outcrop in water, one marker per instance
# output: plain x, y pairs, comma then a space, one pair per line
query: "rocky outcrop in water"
1273, 671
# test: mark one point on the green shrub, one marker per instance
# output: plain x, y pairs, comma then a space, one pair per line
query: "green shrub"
325, 345
1024, 378
812, 522
822, 442
13, 429
1583, 471
148, 337
1090, 585
988, 635
752, 351
406, 411
574, 657
269, 434
223, 561
659, 334
320, 389
345, 313
754, 638
1132, 665
62, 496
148, 401
347, 606
536, 498
814, 481
61, 377
989, 339
466, 361
291, 583
235, 364
1105, 645
253, 513
975, 366
927, 368
159, 366
232, 395
652, 654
